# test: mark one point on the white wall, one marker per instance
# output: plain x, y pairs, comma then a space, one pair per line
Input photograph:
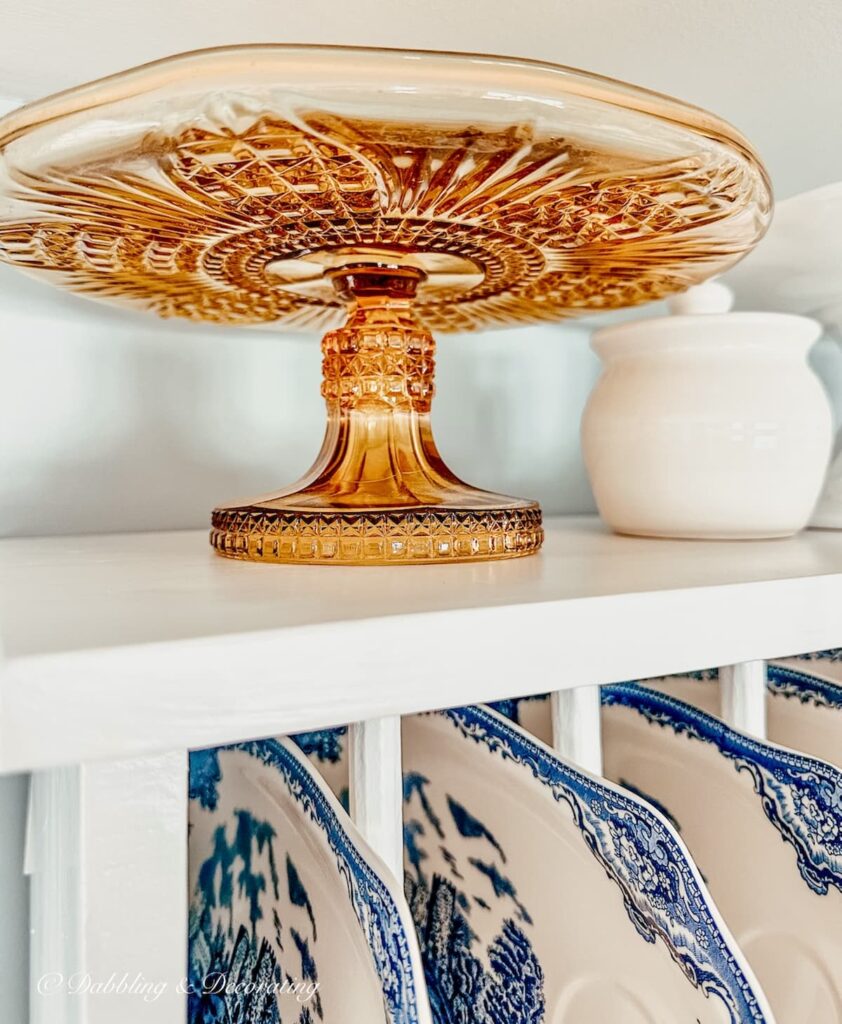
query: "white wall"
113, 421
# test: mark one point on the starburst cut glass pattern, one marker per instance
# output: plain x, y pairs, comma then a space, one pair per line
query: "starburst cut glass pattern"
405, 192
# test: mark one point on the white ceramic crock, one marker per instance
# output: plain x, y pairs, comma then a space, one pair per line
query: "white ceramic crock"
707, 426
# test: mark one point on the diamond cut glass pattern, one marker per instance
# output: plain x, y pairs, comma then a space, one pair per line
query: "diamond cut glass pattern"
405, 192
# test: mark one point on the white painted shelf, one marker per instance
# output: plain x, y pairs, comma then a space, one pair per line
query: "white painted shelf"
124, 645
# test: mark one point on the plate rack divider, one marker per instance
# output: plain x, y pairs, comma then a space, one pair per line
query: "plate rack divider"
91, 827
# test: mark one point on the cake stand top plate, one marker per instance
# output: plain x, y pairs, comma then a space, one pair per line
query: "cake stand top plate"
221, 186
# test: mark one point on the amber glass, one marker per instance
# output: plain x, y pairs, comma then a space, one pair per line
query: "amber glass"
379, 491
382, 194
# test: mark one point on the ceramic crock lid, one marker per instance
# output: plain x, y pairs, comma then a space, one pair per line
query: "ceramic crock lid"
702, 317
709, 297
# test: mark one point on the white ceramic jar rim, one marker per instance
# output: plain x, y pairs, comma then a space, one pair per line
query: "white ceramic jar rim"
786, 333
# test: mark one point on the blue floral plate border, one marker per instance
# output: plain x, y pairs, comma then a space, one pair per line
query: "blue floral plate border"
809, 689
801, 796
386, 924
640, 852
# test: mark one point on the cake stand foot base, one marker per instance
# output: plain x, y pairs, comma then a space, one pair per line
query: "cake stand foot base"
407, 536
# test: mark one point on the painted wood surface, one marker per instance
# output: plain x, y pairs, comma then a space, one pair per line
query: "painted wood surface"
124, 645
577, 732
376, 787
743, 696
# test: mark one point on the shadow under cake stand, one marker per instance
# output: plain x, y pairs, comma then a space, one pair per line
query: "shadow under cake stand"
379, 195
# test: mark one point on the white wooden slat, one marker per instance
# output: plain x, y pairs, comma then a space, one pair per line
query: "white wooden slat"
108, 861
14, 895
56, 908
577, 731
743, 696
376, 787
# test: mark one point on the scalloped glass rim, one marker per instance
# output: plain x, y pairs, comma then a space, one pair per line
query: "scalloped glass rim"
573, 192
555, 81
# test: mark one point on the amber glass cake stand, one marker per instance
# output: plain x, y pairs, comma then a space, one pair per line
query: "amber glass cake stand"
382, 194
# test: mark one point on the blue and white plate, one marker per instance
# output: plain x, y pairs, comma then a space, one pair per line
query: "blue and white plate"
293, 919
327, 749
764, 825
803, 701
827, 662
804, 704
543, 895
